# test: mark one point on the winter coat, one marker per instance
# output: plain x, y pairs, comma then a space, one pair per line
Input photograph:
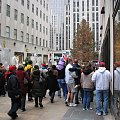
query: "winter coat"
21, 74
52, 80
86, 79
2, 79
38, 89
61, 73
117, 79
102, 78
13, 86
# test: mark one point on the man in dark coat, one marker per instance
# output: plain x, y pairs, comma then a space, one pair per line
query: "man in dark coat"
13, 92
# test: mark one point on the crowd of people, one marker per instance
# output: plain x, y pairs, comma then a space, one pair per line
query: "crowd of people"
67, 77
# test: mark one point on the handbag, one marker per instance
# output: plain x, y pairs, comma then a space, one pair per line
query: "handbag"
25, 81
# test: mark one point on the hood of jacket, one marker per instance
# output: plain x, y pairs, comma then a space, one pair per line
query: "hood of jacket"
87, 72
28, 67
101, 69
118, 69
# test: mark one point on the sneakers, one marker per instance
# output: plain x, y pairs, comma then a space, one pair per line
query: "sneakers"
84, 109
104, 113
89, 109
98, 113
72, 105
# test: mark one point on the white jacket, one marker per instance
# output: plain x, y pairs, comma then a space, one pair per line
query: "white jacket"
102, 78
68, 77
117, 79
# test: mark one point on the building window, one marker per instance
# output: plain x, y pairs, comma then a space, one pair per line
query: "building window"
47, 7
15, 14
32, 8
44, 29
27, 37
93, 17
28, 4
96, 8
87, 5
27, 21
22, 18
88, 17
36, 11
82, 5
7, 31
97, 16
73, 4
22, 35
96, 2
8, 10
36, 25
32, 39
40, 14
74, 17
77, 4
93, 9
41, 2
43, 43
32, 23
40, 41
77, 17
46, 43
44, 16
22, 2
93, 2
0, 5
36, 40
119, 15
15, 34
44, 4
40, 28
46, 19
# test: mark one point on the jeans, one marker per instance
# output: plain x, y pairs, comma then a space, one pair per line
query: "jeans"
76, 95
14, 106
99, 94
62, 84
23, 100
87, 98
116, 102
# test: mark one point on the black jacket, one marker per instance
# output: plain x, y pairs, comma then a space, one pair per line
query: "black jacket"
13, 86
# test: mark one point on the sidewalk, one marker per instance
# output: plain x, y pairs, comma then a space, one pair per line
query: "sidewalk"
51, 111
76, 113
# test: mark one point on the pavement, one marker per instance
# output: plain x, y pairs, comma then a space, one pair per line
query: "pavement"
51, 111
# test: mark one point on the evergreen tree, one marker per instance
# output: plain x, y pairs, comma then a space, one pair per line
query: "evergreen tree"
83, 44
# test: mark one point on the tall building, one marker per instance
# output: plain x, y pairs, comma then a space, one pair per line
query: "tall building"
57, 24
24, 28
75, 11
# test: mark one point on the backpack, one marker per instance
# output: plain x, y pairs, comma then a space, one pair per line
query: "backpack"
28, 71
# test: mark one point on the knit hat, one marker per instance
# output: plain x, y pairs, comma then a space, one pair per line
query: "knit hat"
36, 67
102, 64
12, 68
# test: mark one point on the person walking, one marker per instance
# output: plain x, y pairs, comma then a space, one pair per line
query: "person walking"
14, 92
28, 70
22, 75
52, 82
70, 84
117, 87
61, 78
88, 86
38, 88
102, 79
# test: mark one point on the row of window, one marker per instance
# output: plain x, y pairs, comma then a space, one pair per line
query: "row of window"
28, 4
37, 42
22, 15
